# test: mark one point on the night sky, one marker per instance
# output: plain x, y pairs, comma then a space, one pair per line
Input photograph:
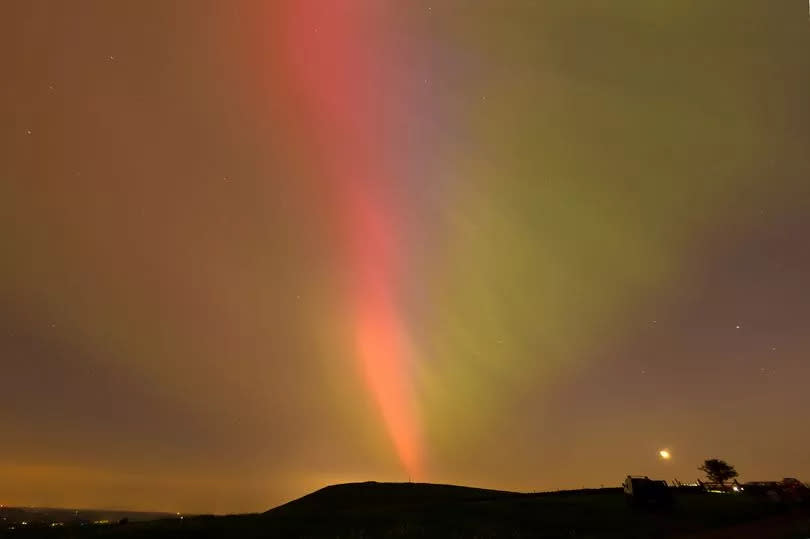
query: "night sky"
251, 248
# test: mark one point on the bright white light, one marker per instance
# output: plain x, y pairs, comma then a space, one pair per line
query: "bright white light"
665, 454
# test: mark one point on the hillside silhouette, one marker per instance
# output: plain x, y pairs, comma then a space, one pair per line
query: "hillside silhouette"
370, 509
373, 496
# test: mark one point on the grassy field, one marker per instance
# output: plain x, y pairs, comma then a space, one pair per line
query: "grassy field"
389, 510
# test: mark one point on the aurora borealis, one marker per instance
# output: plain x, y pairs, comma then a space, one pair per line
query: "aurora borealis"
251, 248
335, 56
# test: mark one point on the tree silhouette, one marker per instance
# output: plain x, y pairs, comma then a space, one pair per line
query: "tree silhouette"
718, 471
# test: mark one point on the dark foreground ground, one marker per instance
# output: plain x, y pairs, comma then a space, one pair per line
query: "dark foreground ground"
365, 510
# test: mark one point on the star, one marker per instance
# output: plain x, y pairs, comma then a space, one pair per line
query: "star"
27, 131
